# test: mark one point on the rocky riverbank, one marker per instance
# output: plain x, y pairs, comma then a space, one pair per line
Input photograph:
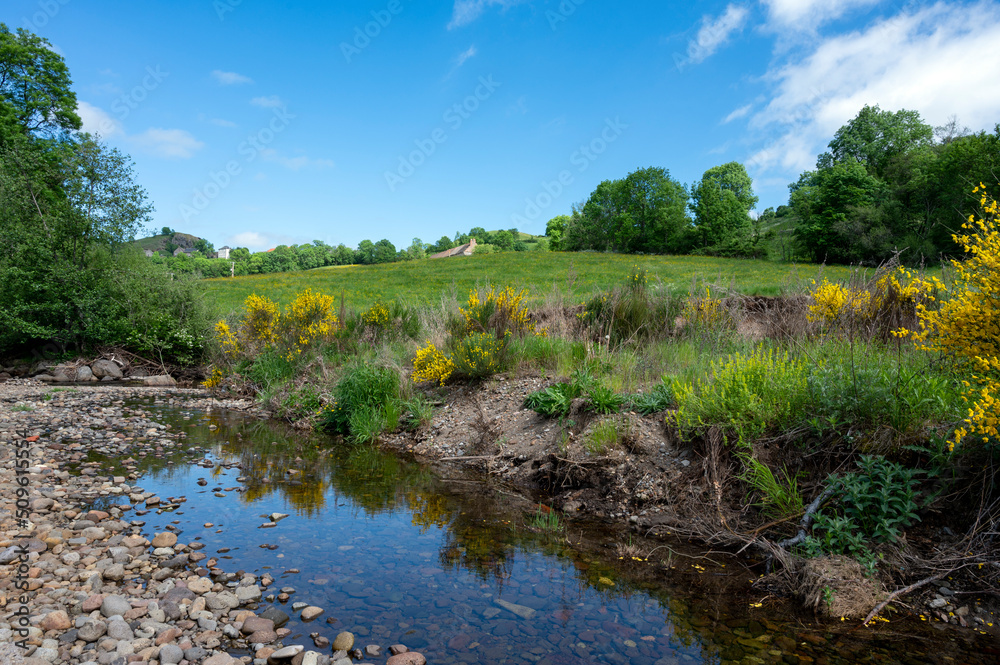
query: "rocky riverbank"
89, 586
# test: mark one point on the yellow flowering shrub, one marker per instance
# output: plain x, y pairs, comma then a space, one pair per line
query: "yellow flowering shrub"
227, 340
965, 325
430, 364
309, 319
377, 315
259, 326
497, 311
877, 308
479, 355
705, 311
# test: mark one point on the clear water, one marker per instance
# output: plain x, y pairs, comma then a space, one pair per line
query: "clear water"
397, 554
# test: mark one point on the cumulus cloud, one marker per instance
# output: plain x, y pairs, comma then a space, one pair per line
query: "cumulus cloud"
169, 143
98, 121
716, 32
940, 60
272, 102
230, 78
807, 15
467, 11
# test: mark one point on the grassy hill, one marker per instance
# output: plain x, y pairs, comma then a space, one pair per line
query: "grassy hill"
577, 275
158, 243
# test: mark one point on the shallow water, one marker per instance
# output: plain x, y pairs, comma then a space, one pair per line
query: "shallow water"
397, 554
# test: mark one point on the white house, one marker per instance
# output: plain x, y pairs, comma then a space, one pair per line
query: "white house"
223, 252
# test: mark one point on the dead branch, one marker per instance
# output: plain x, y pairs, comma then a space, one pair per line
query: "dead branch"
902, 592
807, 520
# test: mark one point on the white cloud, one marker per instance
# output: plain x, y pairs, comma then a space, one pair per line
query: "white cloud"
741, 112
219, 122
465, 56
715, 33
254, 240
467, 11
230, 78
941, 61
807, 15
98, 121
272, 102
169, 143
295, 163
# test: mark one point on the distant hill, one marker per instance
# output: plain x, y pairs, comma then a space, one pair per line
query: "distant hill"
159, 243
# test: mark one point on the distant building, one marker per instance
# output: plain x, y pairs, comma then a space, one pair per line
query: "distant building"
184, 250
467, 249
223, 252
149, 253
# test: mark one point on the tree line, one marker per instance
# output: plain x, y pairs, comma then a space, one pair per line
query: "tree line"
890, 185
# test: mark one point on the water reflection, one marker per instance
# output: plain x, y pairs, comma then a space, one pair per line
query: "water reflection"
396, 554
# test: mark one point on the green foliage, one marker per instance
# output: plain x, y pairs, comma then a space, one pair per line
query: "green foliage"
747, 395
555, 401
837, 535
874, 138
880, 498
721, 203
603, 400
644, 212
607, 434
778, 499
362, 400
418, 412
479, 355
546, 520
35, 83
633, 312
661, 398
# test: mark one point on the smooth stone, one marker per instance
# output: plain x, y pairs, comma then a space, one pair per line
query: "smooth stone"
58, 620
274, 614
286, 653
165, 539
115, 606
408, 658
92, 631
171, 654
310, 613
344, 642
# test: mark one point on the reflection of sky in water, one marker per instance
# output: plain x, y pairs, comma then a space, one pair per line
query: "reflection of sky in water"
395, 556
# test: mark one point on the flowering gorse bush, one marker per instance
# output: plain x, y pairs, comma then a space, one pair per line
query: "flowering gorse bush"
431, 364
965, 323
262, 328
876, 308
500, 312
479, 356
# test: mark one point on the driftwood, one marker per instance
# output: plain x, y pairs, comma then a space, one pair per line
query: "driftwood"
807, 520
902, 592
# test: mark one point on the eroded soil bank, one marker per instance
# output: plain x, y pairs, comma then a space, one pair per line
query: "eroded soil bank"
660, 486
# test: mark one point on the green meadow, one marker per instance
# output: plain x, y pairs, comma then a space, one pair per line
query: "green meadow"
575, 276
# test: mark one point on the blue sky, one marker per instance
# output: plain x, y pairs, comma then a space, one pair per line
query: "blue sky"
257, 123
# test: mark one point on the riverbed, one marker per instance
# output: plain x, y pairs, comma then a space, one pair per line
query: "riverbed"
467, 572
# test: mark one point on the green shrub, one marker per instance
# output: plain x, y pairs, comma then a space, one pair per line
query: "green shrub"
632, 312
364, 401
747, 395
554, 401
660, 398
603, 400
608, 434
880, 498
479, 356
776, 498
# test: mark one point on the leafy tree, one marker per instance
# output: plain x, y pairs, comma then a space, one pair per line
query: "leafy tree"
875, 137
204, 246
645, 212
721, 203
479, 233
555, 229
442, 245
385, 252
35, 84
166, 231
366, 253
417, 249
826, 201
503, 241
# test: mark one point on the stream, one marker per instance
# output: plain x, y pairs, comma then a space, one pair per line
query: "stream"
467, 573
